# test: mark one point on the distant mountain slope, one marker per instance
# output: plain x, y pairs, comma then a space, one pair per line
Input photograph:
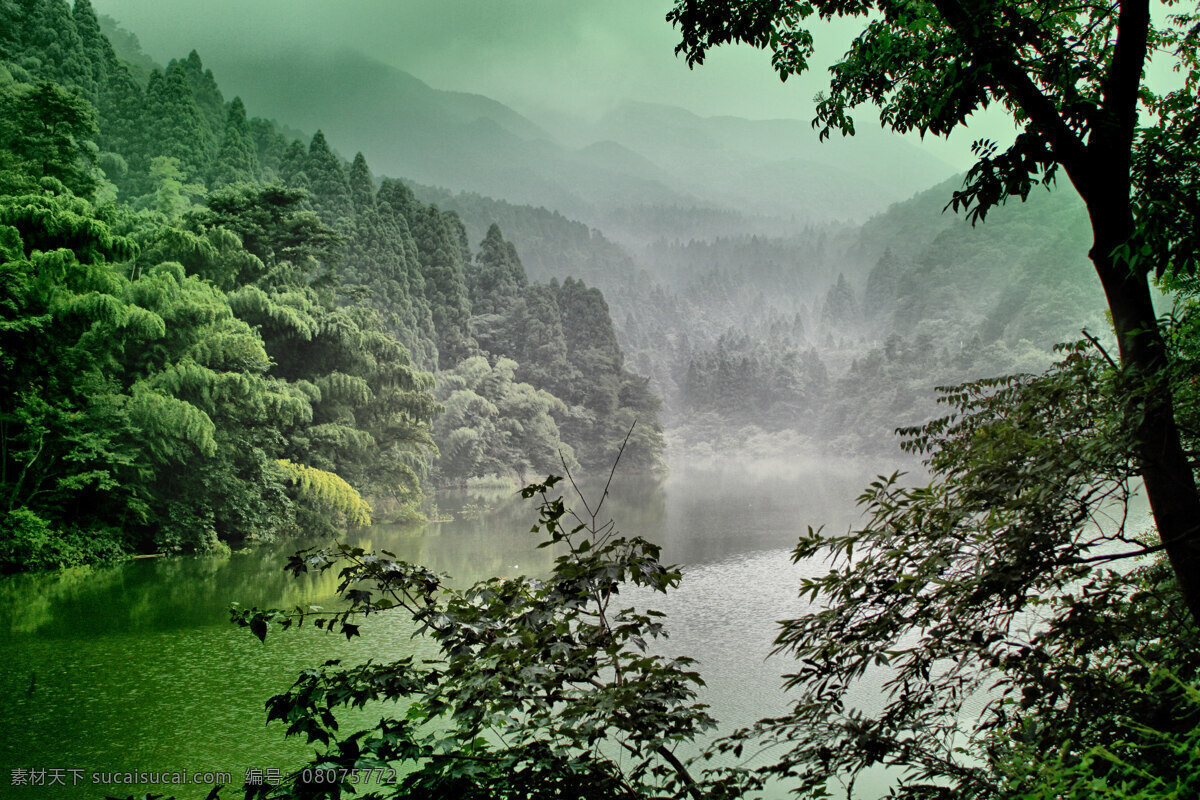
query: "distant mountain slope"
407, 128
745, 176
774, 167
674, 137
300, 84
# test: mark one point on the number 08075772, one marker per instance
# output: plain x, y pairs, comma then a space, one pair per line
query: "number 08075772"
379, 775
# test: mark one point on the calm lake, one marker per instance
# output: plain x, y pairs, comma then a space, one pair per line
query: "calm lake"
136, 667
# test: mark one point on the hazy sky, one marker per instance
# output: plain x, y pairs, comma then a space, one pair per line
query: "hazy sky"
578, 56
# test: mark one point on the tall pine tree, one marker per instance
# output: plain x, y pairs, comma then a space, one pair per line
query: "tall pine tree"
328, 185
495, 278
237, 158
207, 96
439, 247
175, 125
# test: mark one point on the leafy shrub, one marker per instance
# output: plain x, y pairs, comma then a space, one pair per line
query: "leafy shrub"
541, 689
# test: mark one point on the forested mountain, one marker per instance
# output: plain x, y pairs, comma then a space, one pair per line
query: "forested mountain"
702, 291
912, 300
362, 308
553, 247
212, 332
764, 177
832, 336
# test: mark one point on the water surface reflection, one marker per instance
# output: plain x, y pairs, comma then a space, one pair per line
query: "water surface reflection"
135, 667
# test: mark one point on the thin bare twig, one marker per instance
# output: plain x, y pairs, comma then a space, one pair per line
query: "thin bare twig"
1118, 556
1100, 347
613, 471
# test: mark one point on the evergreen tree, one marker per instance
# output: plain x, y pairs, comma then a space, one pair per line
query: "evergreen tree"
207, 96
882, 288
237, 159
591, 347
397, 204
269, 146
439, 238
496, 277
401, 198
362, 185
292, 164
532, 334
122, 107
176, 127
329, 188
840, 309
94, 49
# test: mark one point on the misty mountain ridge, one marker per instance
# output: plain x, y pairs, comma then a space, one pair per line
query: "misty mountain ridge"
635, 155
890, 168
836, 327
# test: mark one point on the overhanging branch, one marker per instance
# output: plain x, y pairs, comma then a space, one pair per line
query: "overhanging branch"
993, 52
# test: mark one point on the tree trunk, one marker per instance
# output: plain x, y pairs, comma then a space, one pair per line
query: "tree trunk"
1166, 474
1102, 175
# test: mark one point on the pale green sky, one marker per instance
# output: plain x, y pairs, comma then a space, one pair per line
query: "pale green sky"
578, 56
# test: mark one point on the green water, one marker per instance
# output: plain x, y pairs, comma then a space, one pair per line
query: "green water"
136, 667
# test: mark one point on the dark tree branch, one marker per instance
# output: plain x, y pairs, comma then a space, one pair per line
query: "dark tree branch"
993, 52
1100, 347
